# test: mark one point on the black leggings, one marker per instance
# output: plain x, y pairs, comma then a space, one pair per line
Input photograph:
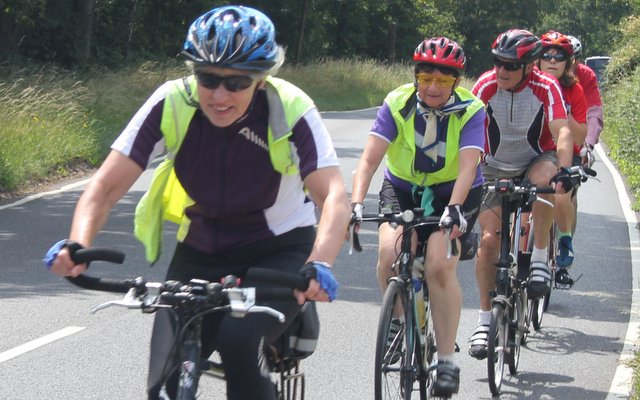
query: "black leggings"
238, 340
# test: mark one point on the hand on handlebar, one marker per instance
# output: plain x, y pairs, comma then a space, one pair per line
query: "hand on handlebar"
453, 219
562, 181
323, 286
58, 259
586, 155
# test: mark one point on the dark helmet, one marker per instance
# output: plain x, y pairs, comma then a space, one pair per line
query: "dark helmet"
232, 37
517, 45
557, 40
442, 52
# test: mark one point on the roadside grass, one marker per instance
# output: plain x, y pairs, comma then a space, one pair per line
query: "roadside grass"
55, 119
46, 126
622, 130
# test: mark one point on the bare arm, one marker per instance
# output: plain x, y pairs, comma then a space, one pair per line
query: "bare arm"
370, 160
327, 189
112, 180
468, 163
578, 130
564, 142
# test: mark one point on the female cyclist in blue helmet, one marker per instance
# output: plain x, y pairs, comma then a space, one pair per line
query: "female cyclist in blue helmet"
248, 162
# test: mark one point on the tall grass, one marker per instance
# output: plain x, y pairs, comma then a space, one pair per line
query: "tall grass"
347, 84
46, 125
55, 118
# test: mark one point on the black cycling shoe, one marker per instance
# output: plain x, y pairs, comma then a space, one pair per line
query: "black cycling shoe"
447, 379
563, 279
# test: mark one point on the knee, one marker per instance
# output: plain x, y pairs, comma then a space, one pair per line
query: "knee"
489, 243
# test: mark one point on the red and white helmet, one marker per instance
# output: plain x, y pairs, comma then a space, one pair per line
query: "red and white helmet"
517, 45
442, 52
557, 40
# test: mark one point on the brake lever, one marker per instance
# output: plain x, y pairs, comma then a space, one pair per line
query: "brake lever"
354, 240
130, 301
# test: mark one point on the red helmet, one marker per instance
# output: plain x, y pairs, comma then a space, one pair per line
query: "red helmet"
442, 52
558, 41
517, 45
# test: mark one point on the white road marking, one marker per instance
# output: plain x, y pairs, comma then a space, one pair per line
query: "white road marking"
34, 344
623, 378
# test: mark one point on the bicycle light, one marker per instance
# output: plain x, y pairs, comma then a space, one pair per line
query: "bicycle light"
407, 216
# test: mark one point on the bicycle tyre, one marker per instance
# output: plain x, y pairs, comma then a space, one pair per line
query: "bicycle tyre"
518, 329
429, 354
497, 347
390, 381
189, 376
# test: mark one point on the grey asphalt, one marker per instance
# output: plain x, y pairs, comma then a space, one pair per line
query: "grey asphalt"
573, 357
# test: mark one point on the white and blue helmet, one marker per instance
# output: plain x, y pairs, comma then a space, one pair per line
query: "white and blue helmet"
232, 37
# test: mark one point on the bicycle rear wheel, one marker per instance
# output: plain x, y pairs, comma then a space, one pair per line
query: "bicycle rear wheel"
497, 347
396, 366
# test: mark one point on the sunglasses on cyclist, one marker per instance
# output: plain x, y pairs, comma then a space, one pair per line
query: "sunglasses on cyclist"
509, 66
559, 57
233, 83
442, 82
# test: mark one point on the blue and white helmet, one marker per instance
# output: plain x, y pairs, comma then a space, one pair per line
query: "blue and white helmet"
232, 37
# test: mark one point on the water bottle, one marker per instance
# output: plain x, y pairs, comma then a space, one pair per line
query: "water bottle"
419, 299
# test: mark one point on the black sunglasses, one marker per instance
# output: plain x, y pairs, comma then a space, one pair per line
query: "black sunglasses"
559, 57
233, 83
509, 66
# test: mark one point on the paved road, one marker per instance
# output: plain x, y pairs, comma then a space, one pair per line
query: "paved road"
53, 348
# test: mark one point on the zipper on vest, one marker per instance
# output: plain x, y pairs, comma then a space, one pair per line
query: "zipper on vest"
511, 110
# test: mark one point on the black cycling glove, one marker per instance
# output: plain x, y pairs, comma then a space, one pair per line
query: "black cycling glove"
454, 212
563, 176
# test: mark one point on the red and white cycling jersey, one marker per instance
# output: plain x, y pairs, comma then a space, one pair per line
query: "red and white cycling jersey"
516, 118
576, 106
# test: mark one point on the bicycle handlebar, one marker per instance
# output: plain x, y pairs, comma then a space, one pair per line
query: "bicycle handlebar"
407, 219
152, 295
86, 256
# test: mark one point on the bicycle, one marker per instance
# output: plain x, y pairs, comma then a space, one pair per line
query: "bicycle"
539, 306
511, 310
415, 341
193, 300
509, 302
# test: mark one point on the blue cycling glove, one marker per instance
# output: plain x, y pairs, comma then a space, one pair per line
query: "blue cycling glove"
321, 273
52, 253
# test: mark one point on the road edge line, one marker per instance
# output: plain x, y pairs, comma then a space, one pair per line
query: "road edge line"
622, 382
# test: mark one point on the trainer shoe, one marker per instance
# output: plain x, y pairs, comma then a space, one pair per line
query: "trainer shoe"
479, 342
564, 259
539, 277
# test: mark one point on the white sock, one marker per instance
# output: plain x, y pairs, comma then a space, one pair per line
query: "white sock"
539, 254
445, 357
484, 317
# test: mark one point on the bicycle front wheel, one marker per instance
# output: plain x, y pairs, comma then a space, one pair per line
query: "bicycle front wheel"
189, 371
518, 329
497, 347
393, 380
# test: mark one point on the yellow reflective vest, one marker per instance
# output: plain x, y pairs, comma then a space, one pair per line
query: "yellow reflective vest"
402, 150
166, 199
